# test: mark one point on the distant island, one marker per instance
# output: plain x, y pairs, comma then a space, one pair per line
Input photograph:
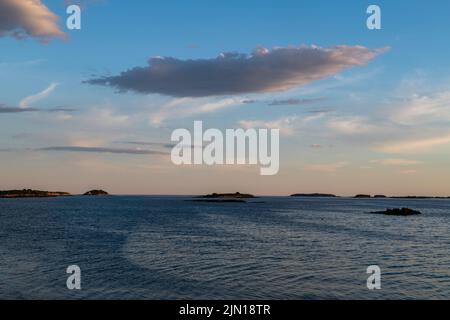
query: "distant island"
96, 193
236, 195
315, 195
28, 193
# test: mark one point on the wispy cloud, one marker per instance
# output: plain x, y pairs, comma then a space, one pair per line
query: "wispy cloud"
146, 143
26, 102
136, 151
62, 109
351, 125
287, 125
415, 145
326, 167
285, 102
5, 109
31, 18
422, 109
264, 70
185, 107
104, 117
294, 102
396, 162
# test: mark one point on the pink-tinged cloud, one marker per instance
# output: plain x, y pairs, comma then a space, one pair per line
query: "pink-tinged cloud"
264, 70
28, 18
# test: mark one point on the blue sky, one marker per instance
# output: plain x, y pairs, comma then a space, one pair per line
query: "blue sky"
384, 121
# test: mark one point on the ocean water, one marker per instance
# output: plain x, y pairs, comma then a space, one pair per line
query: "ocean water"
142, 247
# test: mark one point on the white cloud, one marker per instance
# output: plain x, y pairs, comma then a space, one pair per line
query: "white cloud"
186, 107
28, 101
423, 109
416, 145
351, 125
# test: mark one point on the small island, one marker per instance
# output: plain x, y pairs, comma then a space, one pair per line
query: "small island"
314, 195
28, 193
399, 212
363, 196
236, 195
96, 193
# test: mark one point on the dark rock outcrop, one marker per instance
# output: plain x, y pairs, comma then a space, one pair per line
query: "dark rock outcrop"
363, 196
399, 212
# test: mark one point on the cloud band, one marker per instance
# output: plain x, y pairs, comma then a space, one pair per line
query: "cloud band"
232, 73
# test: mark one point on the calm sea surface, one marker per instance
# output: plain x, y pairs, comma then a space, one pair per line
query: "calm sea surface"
140, 247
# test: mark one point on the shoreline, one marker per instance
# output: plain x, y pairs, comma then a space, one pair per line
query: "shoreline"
202, 196
30, 193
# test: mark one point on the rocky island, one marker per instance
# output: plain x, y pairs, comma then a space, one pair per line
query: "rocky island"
236, 195
224, 197
28, 193
314, 195
96, 193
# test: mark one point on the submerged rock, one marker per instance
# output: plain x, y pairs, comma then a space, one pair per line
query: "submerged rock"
399, 212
